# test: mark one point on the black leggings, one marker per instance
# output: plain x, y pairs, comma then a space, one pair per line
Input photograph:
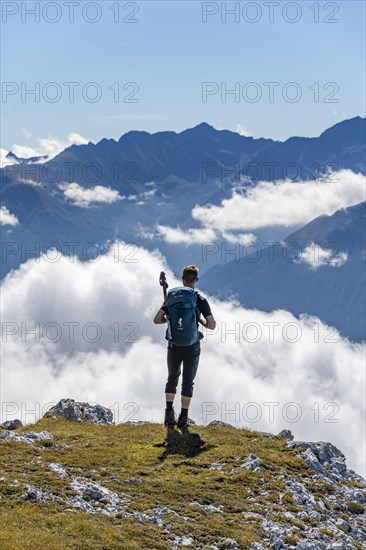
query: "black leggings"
190, 356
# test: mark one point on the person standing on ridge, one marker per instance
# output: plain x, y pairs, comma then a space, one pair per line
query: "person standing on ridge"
181, 309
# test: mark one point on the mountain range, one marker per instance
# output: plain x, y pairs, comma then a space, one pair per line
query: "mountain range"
158, 179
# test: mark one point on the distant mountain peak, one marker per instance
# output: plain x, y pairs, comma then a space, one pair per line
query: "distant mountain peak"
27, 160
201, 128
351, 124
204, 126
12, 155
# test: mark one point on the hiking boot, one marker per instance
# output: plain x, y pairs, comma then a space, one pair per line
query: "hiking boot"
170, 420
183, 422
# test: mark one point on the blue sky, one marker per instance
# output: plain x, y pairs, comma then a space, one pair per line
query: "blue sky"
169, 53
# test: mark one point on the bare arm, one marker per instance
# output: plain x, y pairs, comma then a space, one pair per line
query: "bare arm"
210, 322
160, 317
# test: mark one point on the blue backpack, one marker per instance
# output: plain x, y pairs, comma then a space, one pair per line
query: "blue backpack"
183, 311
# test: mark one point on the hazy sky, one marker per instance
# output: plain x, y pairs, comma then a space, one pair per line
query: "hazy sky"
169, 52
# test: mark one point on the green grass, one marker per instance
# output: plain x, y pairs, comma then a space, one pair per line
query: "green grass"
174, 472
291, 539
356, 508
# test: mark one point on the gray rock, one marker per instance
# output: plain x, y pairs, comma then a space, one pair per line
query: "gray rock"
355, 495
286, 434
6, 435
208, 507
220, 423
271, 530
30, 437
100, 500
313, 462
218, 465
181, 541
303, 497
93, 490
11, 424
323, 456
33, 493
359, 534
308, 545
251, 462
157, 515
257, 546
344, 524
133, 480
58, 469
70, 409
93, 507
266, 434
351, 474
38, 436
330, 511
59, 446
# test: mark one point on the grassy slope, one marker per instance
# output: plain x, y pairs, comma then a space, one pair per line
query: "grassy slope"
174, 472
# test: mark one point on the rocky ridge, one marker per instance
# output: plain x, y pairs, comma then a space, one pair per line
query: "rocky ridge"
322, 508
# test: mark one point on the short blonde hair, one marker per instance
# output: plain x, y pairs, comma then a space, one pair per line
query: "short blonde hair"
190, 273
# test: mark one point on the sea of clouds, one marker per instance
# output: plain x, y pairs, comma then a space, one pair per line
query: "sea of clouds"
85, 330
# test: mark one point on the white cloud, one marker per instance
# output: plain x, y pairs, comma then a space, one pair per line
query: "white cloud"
241, 238
83, 197
52, 146
149, 193
145, 232
6, 218
142, 195
76, 139
269, 204
49, 147
316, 256
24, 152
242, 130
120, 290
284, 203
192, 236
185, 236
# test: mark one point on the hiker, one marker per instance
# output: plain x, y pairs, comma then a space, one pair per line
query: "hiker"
177, 334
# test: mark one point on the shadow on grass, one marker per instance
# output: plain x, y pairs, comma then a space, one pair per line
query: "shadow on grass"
182, 443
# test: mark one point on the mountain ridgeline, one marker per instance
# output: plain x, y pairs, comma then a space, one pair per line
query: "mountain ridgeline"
159, 178
202, 153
